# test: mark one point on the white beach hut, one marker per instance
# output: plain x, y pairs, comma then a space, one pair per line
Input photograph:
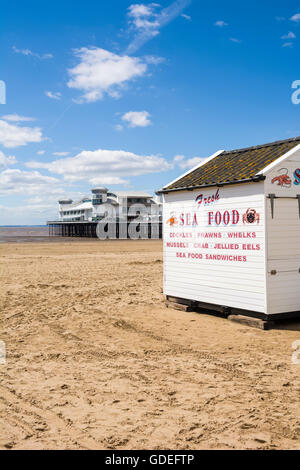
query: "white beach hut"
232, 233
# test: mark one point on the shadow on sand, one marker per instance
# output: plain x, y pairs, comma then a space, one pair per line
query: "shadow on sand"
290, 325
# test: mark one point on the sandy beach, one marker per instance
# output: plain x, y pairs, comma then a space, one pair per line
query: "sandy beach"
96, 361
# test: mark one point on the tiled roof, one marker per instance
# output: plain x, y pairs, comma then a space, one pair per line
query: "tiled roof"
234, 166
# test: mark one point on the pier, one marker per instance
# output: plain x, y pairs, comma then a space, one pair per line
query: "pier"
122, 230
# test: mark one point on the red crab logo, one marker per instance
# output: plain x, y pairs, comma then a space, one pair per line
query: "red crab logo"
283, 180
250, 217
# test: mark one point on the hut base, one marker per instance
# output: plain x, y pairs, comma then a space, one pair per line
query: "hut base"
251, 321
246, 317
178, 306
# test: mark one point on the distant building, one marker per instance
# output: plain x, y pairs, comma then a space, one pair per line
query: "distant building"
103, 203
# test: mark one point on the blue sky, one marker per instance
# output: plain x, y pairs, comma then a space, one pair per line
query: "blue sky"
130, 95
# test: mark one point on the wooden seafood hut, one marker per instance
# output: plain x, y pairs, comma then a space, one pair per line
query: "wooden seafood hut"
232, 234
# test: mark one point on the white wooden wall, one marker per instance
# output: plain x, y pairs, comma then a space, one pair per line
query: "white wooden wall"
240, 284
283, 237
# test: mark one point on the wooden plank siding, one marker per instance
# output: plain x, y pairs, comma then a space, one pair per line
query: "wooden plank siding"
229, 283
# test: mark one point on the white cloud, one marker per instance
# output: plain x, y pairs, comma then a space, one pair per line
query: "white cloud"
137, 118
146, 21
33, 164
34, 209
139, 10
27, 183
41, 199
41, 152
104, 165
5, 161
17, 118
287, 44
238, 41
109, 180
143, 16
186, 17
178, 158
28, 213
28, 52
155, 60
50, 199
61, 154
53, 95
295, 18
16, 136
100, 71
289, 35
221, 23
186, 164
119, 127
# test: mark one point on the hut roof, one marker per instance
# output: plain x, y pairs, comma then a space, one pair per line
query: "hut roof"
233, 166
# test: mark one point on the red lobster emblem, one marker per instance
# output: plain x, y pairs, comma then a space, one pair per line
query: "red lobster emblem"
283, 180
